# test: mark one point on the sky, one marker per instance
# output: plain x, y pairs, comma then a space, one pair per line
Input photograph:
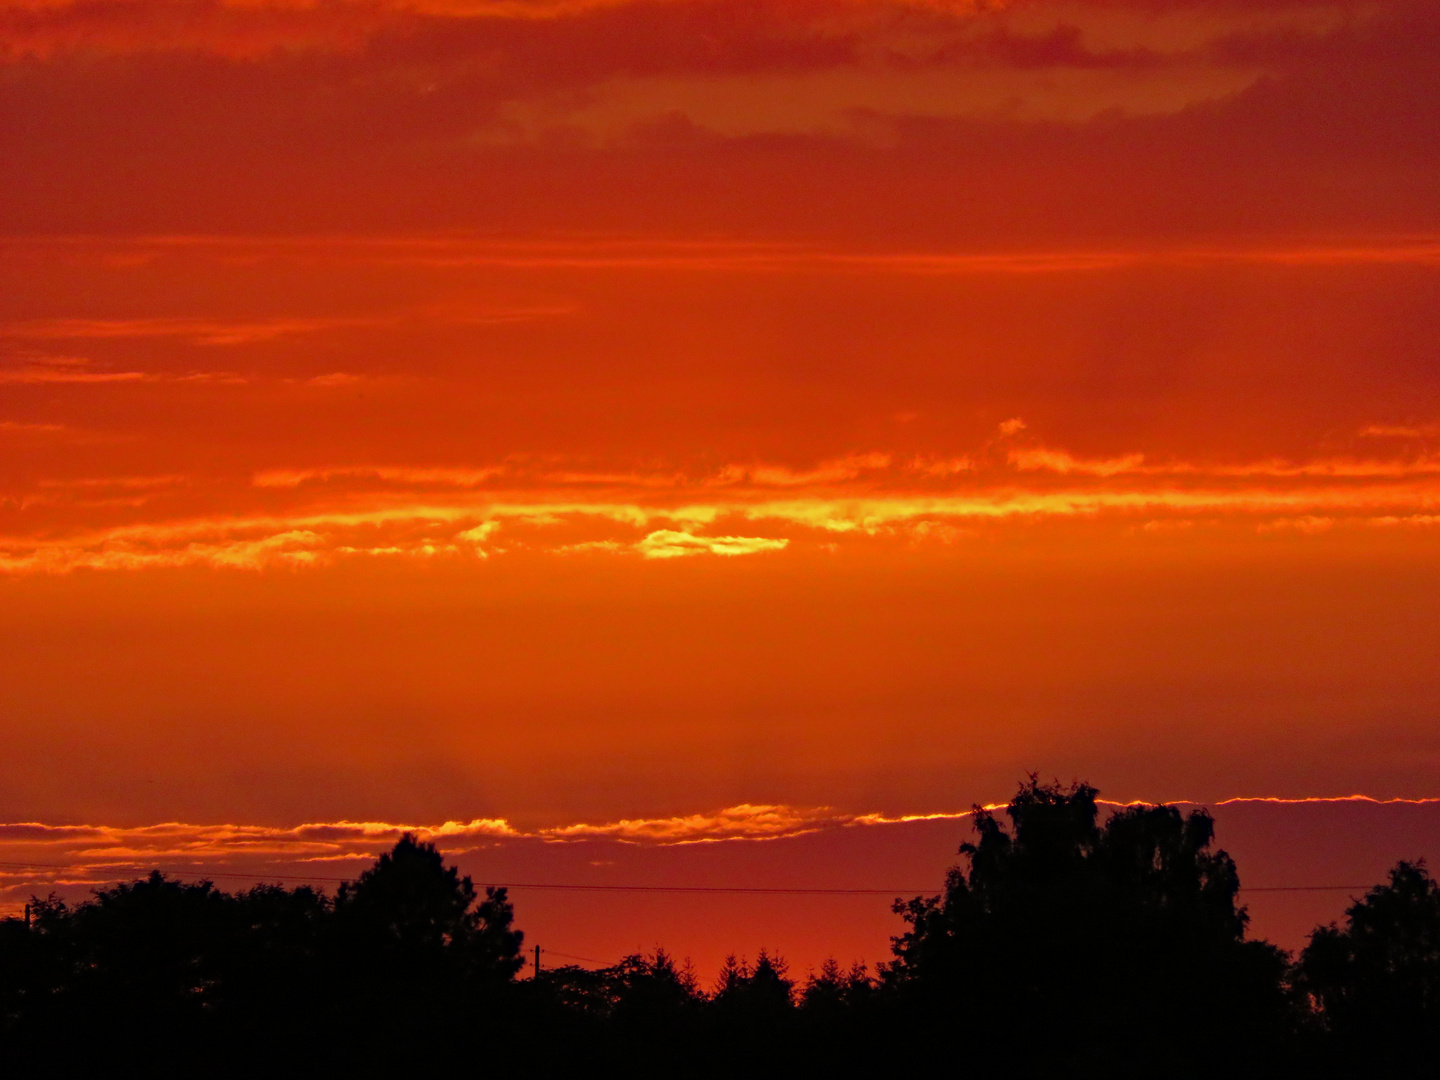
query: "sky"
563, 412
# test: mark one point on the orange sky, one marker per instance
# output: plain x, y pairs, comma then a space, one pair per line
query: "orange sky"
575, 410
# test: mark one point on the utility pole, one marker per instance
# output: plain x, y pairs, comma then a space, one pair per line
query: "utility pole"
537, 958
27, 916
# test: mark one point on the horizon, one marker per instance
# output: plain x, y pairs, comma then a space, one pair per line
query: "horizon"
822, 890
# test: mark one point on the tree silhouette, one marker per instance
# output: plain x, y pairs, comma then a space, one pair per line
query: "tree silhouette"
759, 992
824, 992
416, 915
36, 964
1070, 938
1104, 942
142, 967
413, 949
275, 978
1376, 980
653, 990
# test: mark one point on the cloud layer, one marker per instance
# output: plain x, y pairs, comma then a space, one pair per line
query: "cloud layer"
318, 514
1064, 120
35, 856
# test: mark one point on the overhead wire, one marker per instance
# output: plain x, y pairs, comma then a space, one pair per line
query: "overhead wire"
264, 878
571, 956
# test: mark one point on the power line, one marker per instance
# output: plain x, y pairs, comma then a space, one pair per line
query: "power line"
846, 892
1304, 888
76, 868
704, 889
586, 887
571, 956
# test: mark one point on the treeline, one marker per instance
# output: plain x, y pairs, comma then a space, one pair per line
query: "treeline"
1062, 944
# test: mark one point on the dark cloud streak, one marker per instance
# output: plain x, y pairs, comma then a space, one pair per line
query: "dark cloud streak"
406, 122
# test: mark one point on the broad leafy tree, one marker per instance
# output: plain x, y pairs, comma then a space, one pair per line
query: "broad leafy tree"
1375, 980
413, 915
1092, 942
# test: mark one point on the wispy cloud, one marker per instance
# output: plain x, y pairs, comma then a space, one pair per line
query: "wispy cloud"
69, 375
669, 544
602, 253
1060, 461
433, 529
1046, 459
393, 474
208, 331
20, 427
834, 470
196, 330
313, 515
1322, 800
1401, 431
78, 370
35, 855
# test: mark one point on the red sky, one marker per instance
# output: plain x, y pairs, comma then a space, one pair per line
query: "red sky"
569, 411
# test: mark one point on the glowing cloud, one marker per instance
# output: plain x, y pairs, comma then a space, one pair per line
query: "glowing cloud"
669, 544
1059, 461
32, 853
316, 514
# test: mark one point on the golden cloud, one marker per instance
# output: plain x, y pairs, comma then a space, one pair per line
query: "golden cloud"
316, 514
35, 856
669, 544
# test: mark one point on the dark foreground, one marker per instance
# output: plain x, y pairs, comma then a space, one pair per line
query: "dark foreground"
1062, 945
